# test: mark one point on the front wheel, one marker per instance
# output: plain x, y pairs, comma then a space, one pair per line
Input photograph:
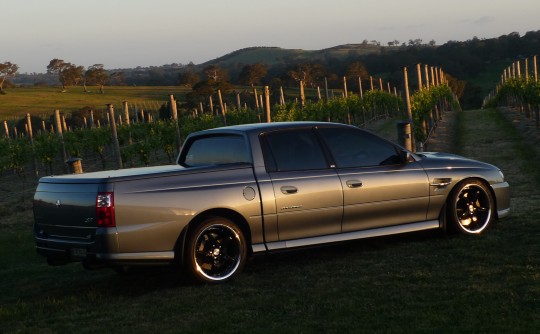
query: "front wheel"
471, 207
216, 251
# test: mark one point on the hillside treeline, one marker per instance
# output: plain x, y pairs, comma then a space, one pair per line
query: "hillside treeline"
464, 62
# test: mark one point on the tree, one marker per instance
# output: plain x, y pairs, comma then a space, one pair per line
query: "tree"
7, 69
68, 74
116, 79
252, 74
189, 77
416, 42
357, 70
96, 75
216, 73
310, 74
203, 88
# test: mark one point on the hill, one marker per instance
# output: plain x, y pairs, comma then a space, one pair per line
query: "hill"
276, 55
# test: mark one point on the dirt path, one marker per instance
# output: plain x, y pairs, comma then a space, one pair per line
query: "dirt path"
441, 139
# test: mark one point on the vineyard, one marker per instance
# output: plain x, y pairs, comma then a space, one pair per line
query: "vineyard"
133, 137
519, 88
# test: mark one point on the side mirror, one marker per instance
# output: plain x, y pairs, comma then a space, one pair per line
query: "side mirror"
405, 156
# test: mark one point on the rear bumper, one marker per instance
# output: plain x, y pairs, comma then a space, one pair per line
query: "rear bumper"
102, 250
63, 249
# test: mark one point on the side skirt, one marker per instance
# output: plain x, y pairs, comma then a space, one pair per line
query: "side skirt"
398, 229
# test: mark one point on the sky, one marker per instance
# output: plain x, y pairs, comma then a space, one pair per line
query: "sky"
131, 33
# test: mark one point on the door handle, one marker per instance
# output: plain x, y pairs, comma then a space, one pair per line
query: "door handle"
354, 183
289, 190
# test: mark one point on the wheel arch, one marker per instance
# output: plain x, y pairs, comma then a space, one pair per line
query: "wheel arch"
448, 206
232, 215
473, 178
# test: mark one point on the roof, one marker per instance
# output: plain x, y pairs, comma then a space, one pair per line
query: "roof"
262, 127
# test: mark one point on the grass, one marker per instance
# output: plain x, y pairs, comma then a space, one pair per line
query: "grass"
414, 283
43, 101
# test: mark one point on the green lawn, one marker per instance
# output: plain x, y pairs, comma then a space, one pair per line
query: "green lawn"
43, 101
416, 283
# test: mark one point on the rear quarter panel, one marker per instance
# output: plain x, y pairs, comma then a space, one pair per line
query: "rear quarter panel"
152, 212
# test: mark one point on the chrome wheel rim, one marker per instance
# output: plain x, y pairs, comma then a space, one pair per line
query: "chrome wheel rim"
218, 252
473, 208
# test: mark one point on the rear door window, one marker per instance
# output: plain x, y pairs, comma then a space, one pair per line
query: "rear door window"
216, 150
293, 150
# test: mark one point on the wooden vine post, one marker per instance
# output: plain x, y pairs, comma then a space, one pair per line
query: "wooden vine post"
535, 69
211, 104
345, 94
419, 74
6, 129
256, 98
201, 107
537, 108
426, 73
115, 135
238, 102
31, 137
58, 123
407, 125
222, 107
64, 124
174, 115
326, 93
126, 111
267, 104
302, 95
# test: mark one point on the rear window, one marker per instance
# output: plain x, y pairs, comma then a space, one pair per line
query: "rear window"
216, 150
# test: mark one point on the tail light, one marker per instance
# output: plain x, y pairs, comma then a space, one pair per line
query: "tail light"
105, 210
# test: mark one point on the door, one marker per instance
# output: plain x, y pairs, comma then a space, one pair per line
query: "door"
379, 188
308, 193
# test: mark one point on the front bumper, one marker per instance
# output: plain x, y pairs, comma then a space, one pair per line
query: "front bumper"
502, 198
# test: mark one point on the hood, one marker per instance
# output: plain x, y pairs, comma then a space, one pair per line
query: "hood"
440, 159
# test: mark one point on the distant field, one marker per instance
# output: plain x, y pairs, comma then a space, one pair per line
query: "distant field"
43, 101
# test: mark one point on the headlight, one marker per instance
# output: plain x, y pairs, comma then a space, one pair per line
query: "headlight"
501, 174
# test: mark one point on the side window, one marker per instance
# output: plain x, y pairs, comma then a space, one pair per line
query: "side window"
293, 150
216, 150
356, 148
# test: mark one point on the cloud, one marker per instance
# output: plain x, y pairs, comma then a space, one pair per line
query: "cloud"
416, 26
484, 20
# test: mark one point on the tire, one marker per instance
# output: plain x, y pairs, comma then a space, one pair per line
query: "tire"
471, 208
215, 251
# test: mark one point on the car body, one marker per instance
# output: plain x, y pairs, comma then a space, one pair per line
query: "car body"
258, 188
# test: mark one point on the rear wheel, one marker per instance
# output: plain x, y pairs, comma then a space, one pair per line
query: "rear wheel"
471, 207
215, 251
